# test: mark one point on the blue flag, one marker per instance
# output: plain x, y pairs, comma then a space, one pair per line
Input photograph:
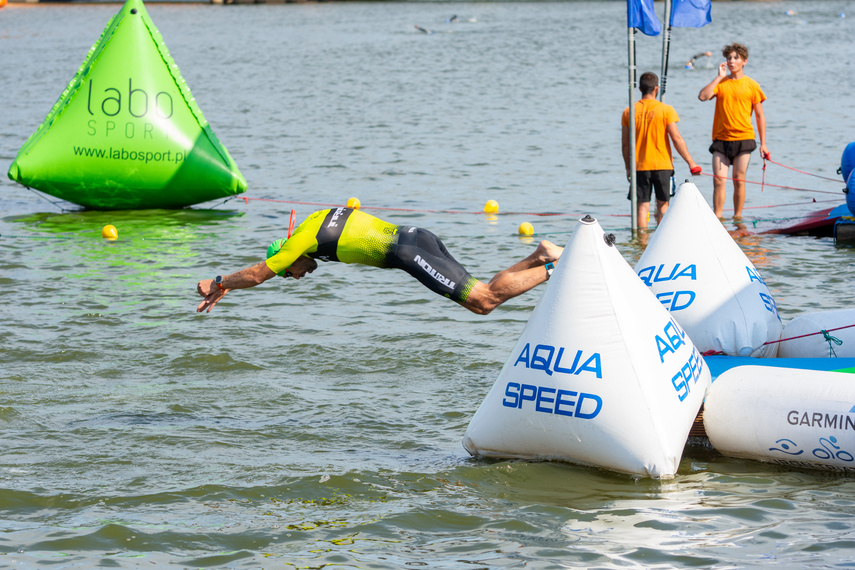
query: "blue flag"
690, 13
639, 14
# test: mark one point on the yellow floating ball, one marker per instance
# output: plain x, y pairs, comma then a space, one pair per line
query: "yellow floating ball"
354, 203
526, 229
491, 207
109, 232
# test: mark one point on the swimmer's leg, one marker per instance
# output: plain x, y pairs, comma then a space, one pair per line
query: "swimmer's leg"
515, 280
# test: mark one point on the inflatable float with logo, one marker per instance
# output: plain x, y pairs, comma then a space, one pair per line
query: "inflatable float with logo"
127, 133
788, 416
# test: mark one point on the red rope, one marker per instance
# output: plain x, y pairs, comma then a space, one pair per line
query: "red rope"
809, 334
716, 352
545, 214
773, 185
799, 171
763, 184
813, 201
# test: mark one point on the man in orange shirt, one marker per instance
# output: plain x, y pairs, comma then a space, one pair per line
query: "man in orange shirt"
736, 96
655, 130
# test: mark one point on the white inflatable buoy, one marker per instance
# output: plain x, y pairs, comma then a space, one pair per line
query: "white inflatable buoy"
803, 418
707, 283
602, 375
808, 340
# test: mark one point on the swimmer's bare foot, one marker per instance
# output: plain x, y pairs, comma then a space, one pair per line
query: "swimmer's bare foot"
548, 252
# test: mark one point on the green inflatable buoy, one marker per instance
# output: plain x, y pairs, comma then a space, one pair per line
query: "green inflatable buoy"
126, 133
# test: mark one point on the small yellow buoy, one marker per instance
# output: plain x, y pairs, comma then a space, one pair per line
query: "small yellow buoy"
354, 203
491, 207
526, 229
109, 232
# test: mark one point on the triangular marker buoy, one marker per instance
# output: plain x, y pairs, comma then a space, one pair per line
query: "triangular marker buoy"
602, 375
126, 133
704, 279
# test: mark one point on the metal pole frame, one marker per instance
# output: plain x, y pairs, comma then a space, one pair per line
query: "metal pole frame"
666, 49
632, 177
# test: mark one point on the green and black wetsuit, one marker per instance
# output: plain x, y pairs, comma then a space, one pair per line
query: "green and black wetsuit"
352, 236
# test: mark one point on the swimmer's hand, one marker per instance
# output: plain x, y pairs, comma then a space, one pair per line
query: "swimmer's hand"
212, 294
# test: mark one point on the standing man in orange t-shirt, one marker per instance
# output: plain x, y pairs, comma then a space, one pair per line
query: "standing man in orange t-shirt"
655, 130
736, 97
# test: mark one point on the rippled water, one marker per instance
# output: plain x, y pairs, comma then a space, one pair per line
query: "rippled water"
319, 423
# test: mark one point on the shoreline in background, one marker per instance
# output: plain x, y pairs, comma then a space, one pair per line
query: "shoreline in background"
32, 2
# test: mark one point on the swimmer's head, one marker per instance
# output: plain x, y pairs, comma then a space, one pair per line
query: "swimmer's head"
273, 249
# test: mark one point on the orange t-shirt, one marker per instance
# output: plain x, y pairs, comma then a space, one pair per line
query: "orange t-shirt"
652, 143
734, 103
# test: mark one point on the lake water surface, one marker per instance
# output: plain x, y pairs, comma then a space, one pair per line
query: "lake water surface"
319, 424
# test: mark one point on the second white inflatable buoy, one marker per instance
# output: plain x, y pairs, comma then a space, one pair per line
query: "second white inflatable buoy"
802, 418
601, 375
822, 334
707, 283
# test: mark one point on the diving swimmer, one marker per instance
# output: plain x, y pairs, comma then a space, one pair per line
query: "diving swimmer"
352, 236
691, 63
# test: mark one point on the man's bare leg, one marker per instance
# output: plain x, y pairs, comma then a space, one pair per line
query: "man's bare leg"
661, 208
740, 169
515, 280
720, 166
642, 213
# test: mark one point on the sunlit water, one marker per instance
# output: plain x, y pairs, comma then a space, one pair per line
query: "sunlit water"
319, 423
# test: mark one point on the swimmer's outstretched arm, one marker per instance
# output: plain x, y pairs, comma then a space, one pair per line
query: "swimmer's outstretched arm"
246, 278
243, 279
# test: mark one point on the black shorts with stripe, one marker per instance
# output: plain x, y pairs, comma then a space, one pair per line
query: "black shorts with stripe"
422, 254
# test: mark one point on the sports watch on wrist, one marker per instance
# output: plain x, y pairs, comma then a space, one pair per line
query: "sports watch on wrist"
219, 281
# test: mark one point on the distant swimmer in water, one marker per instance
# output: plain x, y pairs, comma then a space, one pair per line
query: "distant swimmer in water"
423, 30
452, 19
691, 63
352, 236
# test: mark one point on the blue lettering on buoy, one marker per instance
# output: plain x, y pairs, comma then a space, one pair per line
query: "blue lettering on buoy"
676, 300
541, 359
688, 375
654, 274
770, 304
673, 300
552, 401
674, 338
752, 275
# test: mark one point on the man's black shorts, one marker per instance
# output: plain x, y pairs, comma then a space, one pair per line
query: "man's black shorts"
732, 149
659, 180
